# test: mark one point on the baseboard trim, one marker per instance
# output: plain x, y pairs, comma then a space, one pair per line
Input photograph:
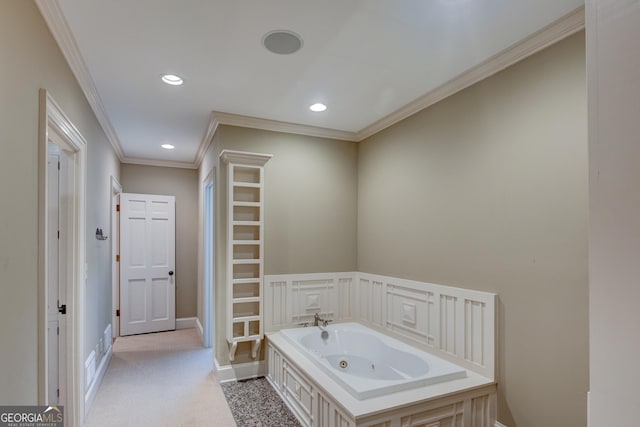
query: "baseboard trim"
240, 371
186, 323
92, 391
499, 424
200, 330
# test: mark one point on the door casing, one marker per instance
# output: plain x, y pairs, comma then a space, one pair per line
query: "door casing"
55, 126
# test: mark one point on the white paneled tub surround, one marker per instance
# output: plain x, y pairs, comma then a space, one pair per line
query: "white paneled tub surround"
291, 299
455, 324
391, 384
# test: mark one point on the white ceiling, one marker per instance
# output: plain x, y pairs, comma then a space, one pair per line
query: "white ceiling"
365, 59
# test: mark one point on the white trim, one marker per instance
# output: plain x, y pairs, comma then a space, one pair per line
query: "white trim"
187, 323
552, 33
277, 126
161, 163
55, 125
212, 127
245, 157
89, 369
207, 268
200, 330
240, 371
52, 14
94, 386
499, 424
116, 189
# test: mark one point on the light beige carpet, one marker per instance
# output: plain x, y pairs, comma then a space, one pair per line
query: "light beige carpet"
161, 379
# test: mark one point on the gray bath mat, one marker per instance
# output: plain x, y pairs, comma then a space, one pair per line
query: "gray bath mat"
255, 403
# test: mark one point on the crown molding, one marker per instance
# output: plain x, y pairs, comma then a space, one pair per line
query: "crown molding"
277, 126
161, 163
552, 33
52, 14
245, 158
212, 127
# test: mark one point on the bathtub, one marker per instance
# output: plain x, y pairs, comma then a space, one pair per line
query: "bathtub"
367, 363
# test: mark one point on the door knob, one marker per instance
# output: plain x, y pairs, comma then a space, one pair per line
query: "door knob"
171, 273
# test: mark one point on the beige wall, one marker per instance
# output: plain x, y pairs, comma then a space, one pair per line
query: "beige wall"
310, 195
488, 190
30, 60
183, 184
613, 31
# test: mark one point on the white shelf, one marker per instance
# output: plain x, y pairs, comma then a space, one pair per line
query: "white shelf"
247, 261
246, 299
249, 204
248, 223
246, 318
247, 184
251, 280
246, 242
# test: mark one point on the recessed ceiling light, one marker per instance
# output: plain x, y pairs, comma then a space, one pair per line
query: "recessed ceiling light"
282, 42
318, 107
167, 146
172, 79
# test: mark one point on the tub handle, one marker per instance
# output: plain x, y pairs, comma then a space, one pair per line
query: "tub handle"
325, 322
303, 324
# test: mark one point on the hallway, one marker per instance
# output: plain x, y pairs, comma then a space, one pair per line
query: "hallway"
161, 379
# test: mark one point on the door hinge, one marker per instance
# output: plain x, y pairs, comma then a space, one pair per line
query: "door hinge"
58, 391
118, 258
118, 313
117, 208
58, 234
58, 165
58, 330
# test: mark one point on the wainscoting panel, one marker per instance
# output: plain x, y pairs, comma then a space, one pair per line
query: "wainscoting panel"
454, 323
370, 297
292, 299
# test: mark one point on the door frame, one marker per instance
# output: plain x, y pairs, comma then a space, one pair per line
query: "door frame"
116, 190
54, 125
209, 251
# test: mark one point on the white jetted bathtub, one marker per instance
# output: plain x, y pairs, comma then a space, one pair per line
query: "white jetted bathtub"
368, 363
427, 359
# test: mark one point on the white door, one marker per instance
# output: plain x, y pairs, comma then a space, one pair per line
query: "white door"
53, 316
147, 260
57, 214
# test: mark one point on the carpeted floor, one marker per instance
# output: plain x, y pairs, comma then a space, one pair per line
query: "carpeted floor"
254, 403
161, 380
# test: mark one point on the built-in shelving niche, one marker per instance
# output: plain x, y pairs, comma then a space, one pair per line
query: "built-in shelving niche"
245, 251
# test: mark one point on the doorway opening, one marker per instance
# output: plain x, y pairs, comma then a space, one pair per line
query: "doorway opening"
209, 261
61, 260
116, 189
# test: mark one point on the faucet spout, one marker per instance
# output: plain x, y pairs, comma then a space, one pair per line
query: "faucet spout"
317, 320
